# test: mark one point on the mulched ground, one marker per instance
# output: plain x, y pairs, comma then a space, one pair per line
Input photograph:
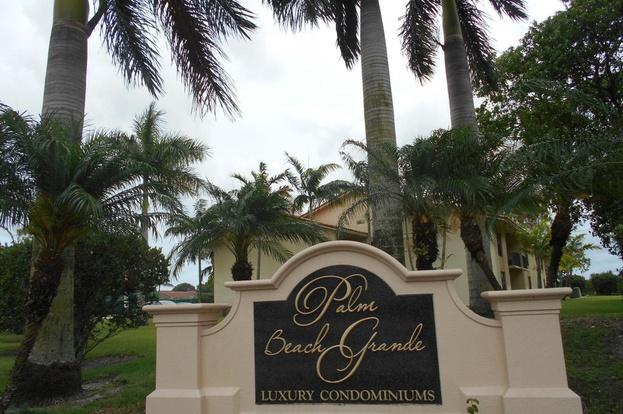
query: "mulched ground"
99, 388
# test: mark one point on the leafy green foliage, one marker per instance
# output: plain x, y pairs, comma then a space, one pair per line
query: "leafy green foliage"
206, 291
559, 100
115, 276
574, 255
14, 270
183, 287
574, 281
606, 283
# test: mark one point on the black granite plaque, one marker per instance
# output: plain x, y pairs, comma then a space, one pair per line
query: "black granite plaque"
344, 337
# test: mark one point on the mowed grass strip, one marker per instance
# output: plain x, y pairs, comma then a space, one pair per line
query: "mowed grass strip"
608, 306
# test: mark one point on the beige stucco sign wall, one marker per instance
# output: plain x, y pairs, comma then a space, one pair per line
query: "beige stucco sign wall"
344, 328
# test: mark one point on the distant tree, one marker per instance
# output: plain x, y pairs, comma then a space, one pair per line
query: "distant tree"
163, 158
308, 183
574, 256
116, 275
606, 283
188, 226
184, 287
206, 291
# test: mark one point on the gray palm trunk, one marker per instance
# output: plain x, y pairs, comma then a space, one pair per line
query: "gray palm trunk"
53, 354
462, 115
460, 94
380, 131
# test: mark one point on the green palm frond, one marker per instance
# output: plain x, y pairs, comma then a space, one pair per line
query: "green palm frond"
480, 52
346, 19
515, 9
129, 30
419, 33
196, 51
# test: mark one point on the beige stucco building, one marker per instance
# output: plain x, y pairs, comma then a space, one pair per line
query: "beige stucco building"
514, 268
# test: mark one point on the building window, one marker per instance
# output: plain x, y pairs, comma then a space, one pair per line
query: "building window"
499, 240
524, 261
503, 276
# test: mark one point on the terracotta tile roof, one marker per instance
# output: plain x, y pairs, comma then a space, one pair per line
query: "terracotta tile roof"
171, 295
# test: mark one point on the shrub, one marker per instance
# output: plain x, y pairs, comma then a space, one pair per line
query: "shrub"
573, 281
114, 276
606, 283
14, 270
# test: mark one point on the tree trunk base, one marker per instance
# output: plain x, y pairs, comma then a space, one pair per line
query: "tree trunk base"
40, 382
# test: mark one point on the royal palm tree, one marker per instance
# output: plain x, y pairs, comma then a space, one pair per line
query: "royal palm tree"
255, 216
308, 183
65, 189
348, 16
129, 29
189, 227
194, 30
165, 158
466, 47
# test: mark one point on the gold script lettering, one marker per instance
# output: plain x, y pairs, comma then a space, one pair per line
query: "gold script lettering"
313, 300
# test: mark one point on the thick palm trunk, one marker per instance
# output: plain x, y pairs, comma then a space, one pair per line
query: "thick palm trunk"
561, 230
65, 78
380, 132
463, 115
425, 242
144, 219
29, 380
460, 94
52, 368
472, 238
242, 269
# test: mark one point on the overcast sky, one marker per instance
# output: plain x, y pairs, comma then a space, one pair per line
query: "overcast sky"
294, 92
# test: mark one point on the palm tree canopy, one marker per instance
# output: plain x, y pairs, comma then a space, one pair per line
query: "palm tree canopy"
420, 30
164, 159
308, 183
461, 170
63, 188
344, 14
256, 215
194, 30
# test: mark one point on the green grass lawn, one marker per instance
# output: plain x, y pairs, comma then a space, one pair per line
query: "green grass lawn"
592, 329
134, 378
592, 333
609, 306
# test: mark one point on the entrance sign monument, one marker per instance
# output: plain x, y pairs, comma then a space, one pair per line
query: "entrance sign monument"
342, 327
